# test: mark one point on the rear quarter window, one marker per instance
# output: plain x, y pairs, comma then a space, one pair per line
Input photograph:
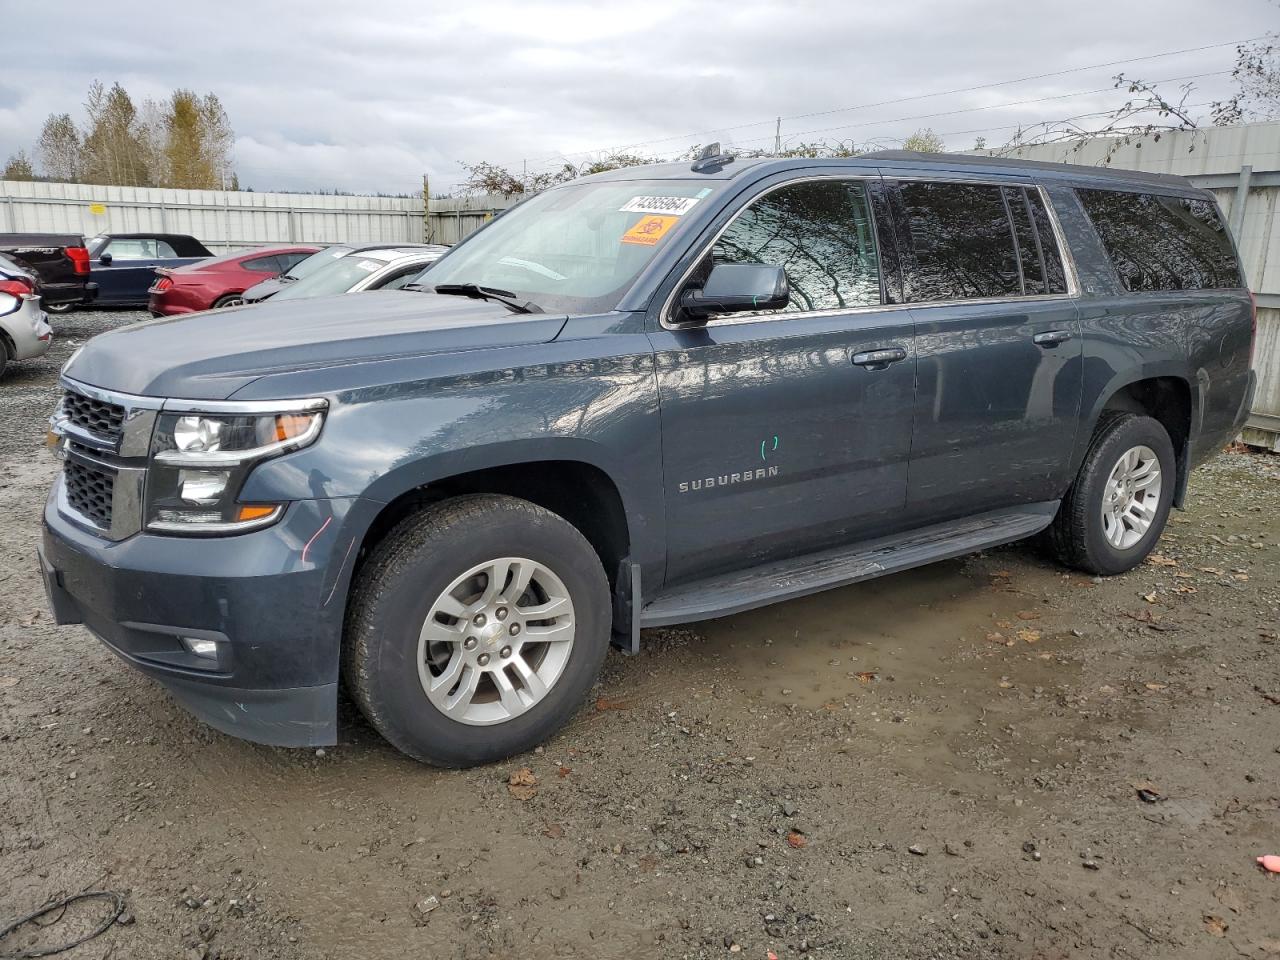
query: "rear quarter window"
1158, 242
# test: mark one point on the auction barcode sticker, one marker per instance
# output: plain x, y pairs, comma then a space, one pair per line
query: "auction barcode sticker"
673, 206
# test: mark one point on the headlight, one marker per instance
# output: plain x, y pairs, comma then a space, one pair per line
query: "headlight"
199, 463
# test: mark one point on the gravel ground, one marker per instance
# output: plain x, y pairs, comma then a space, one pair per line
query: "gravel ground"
944, 763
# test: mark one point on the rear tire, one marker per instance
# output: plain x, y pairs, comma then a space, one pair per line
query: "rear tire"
60, 307
1116, 509
4, 355
407, 659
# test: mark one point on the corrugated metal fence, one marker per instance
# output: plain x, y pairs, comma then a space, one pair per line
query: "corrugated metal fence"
233, 220
1241, 165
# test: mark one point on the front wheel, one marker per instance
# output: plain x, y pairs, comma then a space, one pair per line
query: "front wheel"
230, 300
476, 629
1114, 513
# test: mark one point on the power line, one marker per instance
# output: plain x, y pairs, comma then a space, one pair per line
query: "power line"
907, 99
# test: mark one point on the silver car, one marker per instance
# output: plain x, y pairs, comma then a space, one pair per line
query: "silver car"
24, 329
386, 268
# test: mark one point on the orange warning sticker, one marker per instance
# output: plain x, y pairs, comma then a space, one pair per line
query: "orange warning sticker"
649, 230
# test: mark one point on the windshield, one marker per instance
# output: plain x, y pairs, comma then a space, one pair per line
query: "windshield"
337, 276
311, 264
574, 249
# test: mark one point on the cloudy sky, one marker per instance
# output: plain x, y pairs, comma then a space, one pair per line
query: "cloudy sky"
370, 96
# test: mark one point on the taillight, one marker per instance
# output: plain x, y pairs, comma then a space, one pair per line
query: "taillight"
164, 283
79, 260
18, 287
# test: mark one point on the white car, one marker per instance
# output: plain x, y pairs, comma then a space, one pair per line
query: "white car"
24, 329
384, 268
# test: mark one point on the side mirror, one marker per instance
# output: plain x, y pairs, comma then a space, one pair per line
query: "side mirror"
104, 258
736, 288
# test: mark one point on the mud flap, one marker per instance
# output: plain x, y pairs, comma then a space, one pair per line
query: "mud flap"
626, 609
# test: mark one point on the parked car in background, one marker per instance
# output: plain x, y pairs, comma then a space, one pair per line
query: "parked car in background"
304, 268
124, 264
219, 281
373, 268
24, 330
60, 260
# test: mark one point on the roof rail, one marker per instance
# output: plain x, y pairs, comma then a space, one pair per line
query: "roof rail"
710, 158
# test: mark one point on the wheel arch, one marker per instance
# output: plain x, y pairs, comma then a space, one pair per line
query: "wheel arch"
1168, 396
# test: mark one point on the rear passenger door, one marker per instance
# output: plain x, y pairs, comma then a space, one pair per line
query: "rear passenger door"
780, 435
998, 346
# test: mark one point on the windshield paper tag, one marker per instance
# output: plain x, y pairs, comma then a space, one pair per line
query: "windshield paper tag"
649, 230
674, 206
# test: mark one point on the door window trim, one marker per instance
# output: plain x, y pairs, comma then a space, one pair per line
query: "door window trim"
1064, 252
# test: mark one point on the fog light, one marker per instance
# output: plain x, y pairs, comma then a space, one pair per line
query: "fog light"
204, 487
201, 648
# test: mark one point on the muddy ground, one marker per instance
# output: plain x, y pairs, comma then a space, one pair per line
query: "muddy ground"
944, 763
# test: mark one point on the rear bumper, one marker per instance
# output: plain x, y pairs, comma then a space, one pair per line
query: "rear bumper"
273, 601
74, 292
28, 330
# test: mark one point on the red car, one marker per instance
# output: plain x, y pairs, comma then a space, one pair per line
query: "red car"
219, 281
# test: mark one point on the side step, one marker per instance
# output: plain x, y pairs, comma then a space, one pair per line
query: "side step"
801, 576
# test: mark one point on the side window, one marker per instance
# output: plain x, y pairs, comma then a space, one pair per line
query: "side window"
1055, 274
262, 265
1029, 255
960, 243
1163, 243
398, 280
164, 250
132, 249
821, 233
287, 260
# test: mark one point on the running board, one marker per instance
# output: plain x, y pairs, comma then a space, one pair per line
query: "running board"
801, 576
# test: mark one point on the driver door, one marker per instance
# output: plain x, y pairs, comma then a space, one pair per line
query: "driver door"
779, 437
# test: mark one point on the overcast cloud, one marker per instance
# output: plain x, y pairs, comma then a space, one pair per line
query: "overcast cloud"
369, 97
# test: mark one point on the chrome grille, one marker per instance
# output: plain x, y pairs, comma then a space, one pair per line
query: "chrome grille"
90, 491
103, 419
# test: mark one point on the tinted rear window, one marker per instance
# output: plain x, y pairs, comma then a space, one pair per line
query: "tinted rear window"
961, 243
1163, 243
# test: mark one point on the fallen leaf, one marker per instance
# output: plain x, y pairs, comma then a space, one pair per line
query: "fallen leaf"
1150, 598
1005, 683
565, 771
1157, 687
1107, 688
1214, 570
1185, 588
1027, 615
1002, 574
522, 784
1029, 636
1159, 560
796, 840
1147, 791
1240, 576
1183, 575
1215, 925
554, 831
602, 704
866, 676
995, 637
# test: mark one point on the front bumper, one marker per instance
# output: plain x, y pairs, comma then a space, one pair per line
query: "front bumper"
273, 600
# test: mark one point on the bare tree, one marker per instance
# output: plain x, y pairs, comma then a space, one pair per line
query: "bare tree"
59, 148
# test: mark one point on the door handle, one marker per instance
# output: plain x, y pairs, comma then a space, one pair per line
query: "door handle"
878, 359
1051, 338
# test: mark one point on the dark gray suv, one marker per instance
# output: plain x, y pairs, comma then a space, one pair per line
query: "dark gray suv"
652, 396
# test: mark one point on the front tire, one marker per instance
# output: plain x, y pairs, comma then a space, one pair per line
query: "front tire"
230, 300
475, 630
1116, 509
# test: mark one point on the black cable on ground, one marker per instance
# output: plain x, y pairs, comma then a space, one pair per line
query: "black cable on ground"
117, 901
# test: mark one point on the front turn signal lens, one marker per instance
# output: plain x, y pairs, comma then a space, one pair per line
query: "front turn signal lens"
289, 426
255, 511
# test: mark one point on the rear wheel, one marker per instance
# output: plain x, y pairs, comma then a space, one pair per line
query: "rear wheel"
1117, 508
60, 307
4, 355
476, 629
230, 300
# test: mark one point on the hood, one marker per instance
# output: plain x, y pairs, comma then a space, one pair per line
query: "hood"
211, 355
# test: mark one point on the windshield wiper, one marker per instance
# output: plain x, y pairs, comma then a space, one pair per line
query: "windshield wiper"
477, 292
